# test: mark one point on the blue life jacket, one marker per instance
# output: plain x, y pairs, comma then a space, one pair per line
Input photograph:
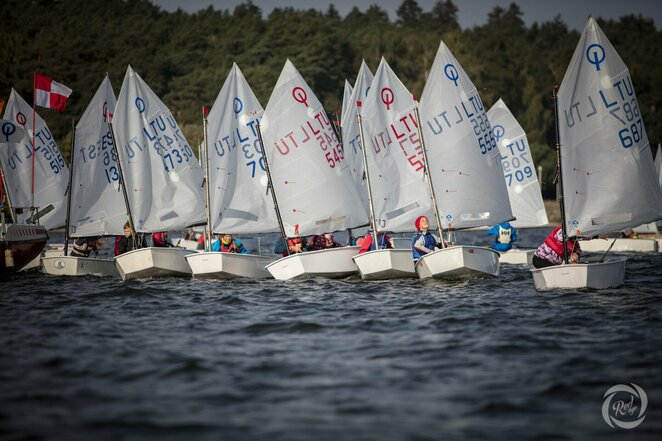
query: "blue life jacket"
429, 244
504, 234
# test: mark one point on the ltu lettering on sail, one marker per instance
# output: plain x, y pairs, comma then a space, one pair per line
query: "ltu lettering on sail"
378, 141
435, 125
407, 126
282, 145
574, 108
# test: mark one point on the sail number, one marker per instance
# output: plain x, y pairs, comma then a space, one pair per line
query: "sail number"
228, 144
483, 132
632, 134
49, 150
103, 151
515, 163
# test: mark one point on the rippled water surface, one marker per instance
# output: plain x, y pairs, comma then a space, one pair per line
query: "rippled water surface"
95, 359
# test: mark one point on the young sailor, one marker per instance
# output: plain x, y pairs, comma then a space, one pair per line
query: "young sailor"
504, 236
322, 242
83, 247
126, 242
160, 239
550, 252
383, 239
295, 244
423, 241
228, 244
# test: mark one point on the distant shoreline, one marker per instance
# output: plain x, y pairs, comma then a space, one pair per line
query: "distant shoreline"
553, 211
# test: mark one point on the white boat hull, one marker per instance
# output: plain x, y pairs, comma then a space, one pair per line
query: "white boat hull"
621, 245
153, 262
188, 244
609, 274
78, 266
217, 265
517, 256
459, 262
330, 263
385, 264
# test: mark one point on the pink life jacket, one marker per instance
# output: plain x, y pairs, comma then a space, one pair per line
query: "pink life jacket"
557, 245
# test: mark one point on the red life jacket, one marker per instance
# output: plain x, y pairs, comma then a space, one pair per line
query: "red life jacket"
557, 245
160, 239
227, 249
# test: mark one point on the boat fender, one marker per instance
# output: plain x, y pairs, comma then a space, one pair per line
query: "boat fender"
9, 259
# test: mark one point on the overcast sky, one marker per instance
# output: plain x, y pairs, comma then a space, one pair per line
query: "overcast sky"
470, 12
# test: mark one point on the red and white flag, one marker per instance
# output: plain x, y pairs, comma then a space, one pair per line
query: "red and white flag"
50, 94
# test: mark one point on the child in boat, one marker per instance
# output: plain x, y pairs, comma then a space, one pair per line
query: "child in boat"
550, 252
126, 242
228, 244
160, 239
383, 239
83, 246
321, 242
423, 242
295, 244
504, 236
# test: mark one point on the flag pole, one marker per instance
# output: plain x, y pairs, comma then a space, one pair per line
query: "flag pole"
34, 118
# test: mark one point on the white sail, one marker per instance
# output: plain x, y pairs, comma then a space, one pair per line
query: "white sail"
97, 203
465, 163
310, 175
162, 176
347, 93
51, 175
350, 129
518, 168
395, 154
238, 181
609, 179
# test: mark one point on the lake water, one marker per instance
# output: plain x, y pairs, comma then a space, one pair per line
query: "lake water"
177, 359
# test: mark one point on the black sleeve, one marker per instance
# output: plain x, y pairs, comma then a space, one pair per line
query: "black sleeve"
121, 246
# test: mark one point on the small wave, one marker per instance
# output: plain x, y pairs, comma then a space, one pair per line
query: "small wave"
270, 328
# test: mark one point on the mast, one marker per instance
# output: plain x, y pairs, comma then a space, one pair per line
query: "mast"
122, 184
271, 187
71, 180
373, 223
426, 168
208, 233
560, 170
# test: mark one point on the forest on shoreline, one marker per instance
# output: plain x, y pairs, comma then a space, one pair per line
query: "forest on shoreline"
185, 58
